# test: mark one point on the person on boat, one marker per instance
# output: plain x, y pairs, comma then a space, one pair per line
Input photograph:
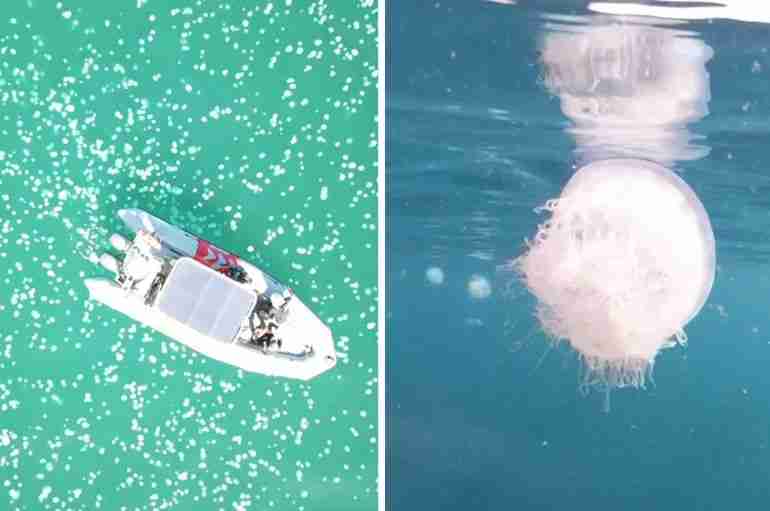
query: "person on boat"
264, 340
263, 335
143, 262
280, 310
238, 274
267, 340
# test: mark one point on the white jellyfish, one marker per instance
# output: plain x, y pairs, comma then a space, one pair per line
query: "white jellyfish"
434, 275
625, 261
479, 287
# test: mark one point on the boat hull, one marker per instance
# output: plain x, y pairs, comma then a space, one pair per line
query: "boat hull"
301, 328
235, 353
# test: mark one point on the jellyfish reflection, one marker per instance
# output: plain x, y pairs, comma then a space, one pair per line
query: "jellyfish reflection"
625, 261
629, 89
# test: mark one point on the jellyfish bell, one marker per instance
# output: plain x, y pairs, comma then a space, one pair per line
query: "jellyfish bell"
625, 261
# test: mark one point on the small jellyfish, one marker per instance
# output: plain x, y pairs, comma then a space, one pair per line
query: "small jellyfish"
434, 275
479, 287
625, 261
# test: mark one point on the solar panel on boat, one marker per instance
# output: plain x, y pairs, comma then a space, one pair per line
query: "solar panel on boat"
205, 300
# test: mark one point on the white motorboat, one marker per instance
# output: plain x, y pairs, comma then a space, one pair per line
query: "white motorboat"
211, 300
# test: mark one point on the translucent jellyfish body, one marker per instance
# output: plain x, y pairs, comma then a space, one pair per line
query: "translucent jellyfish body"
625, 261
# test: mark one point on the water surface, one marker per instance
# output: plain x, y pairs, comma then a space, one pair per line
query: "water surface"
252, 124
481, 415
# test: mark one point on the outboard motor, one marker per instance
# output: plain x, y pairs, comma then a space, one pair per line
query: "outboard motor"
119, 242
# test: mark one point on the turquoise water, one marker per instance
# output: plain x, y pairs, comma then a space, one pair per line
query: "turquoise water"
252, 124
477, 139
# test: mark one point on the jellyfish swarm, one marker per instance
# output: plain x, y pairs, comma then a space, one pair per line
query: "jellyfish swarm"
625, 261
